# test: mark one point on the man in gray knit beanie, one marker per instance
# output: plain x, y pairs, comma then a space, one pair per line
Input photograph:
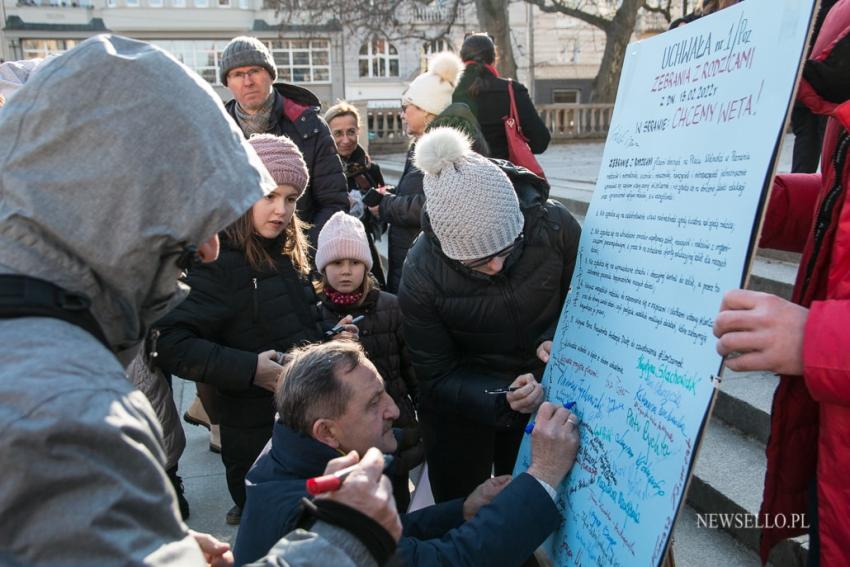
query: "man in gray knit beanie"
262, 106
244, 51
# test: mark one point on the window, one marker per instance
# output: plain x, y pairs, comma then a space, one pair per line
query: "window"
178, 3
111, 3
245, 4
202, 56
568, 96
202, 3
34, 48
436, 46
302, 60
224, 3
431, 47
298, 61
155, 3
378, 58
132, 3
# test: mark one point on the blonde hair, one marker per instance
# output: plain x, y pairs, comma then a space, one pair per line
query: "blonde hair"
342, 108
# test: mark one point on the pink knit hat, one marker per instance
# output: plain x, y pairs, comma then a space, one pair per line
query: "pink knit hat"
343, 237
282, 158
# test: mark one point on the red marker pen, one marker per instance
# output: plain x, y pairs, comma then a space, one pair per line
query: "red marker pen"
331, 482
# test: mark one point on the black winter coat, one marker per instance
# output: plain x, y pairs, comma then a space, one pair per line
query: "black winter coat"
381, 337
362, 174
295, 114
493, 103
403, 211
467, 331
232, 314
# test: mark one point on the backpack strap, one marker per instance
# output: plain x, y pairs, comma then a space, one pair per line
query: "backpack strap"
25, 296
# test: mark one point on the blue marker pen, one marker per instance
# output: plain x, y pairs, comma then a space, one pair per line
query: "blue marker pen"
530, 427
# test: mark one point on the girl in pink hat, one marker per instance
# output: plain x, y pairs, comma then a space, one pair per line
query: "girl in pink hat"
348, 289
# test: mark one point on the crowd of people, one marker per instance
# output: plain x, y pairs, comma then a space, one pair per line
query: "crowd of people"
252, 270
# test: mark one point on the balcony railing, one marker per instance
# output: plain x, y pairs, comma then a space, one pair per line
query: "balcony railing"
565, 122
573, 121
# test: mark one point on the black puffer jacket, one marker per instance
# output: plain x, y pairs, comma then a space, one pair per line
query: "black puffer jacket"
493, 103
232, 314
403, 211
381, 337
467, 331
363, 174
296, 116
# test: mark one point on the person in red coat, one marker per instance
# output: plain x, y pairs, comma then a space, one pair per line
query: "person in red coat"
806, 340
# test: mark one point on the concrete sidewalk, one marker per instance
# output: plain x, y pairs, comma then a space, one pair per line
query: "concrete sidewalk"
570, 168
203, 474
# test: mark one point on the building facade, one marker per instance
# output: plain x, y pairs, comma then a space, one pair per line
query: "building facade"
557, 56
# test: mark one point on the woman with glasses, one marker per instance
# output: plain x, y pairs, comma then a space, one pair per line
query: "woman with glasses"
361, 173
427, 96
481, 296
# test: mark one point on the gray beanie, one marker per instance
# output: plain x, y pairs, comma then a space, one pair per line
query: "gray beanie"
243, 51
472, 205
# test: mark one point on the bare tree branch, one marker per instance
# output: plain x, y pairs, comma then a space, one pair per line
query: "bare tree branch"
558, 7
665, 9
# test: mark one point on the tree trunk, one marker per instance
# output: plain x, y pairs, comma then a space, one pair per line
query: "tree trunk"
617, 37
493, 18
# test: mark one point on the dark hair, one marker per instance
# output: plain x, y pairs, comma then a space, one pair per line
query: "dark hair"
480, 50
478, 47
310, 388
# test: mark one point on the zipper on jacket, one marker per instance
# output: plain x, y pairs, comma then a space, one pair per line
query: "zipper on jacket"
513, 309
154, 338
256, 308
824, 217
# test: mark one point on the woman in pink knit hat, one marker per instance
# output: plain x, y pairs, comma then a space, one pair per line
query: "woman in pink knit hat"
246, 309
348, 289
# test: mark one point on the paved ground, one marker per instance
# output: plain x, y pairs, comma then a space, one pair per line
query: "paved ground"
203, 474
571, 167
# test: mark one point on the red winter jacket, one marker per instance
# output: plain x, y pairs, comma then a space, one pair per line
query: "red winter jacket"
810, 424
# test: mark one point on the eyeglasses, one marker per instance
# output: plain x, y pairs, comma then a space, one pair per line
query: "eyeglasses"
241, 75
503, 253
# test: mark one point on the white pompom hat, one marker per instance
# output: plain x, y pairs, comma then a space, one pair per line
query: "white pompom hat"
432, 91
471, 203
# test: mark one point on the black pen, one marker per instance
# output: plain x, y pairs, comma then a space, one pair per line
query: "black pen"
340, 328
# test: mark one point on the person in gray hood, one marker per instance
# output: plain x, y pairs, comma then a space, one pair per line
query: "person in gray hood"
115, 162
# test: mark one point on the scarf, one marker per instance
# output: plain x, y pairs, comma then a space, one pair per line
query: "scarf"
338, 298
257, 123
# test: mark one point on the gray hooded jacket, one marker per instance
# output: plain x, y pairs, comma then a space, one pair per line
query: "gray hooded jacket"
113, 158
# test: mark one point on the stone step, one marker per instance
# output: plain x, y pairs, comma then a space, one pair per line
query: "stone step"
696, 546
728, 479
744, 400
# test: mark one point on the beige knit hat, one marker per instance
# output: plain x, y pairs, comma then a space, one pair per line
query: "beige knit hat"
343, 236
471, 203
282, 158
432, 91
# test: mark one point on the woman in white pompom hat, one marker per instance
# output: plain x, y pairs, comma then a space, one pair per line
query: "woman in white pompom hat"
481, 296
427, 96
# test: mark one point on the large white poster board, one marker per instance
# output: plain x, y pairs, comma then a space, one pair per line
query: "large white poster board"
696, 127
